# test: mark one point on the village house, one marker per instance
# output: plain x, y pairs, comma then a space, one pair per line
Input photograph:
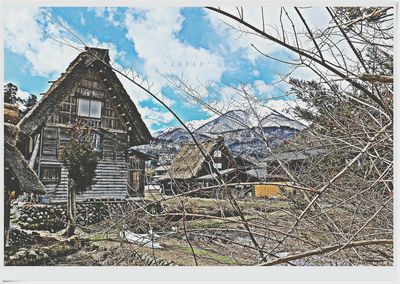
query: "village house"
160, 172
11, 113
137, 172
235, 177
88, 95
243, 163
190, 163
268, 185
18, 176
293, 160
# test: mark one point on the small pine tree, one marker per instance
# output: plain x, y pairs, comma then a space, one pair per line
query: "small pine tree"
10, 94
80, 159
29, 104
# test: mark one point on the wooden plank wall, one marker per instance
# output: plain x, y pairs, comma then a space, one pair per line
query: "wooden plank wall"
136, 176
111, 180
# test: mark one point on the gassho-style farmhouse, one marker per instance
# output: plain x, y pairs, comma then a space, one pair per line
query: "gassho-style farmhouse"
88, 94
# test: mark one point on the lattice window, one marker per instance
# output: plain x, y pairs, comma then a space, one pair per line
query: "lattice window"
89, 108
218, 154
50, 174
218, 165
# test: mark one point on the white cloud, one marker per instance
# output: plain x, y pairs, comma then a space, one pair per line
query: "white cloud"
262, 87
153, 33
234, 33
114, 53
24, 34
154, 117
108, 13
98, 11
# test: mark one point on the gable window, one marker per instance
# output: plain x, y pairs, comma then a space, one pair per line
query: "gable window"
218, 166
96, 142
218, 154
89, 108
50, 174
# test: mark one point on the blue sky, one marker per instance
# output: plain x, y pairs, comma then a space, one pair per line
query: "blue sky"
190, 43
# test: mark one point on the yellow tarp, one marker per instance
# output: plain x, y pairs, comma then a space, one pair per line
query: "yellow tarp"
272, 190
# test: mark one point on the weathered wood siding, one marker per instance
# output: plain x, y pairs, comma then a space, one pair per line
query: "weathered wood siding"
89, 87
226, 161
136, 176
112, 178
110, 182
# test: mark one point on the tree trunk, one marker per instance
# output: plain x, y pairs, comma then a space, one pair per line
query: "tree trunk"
71, 208
6, 217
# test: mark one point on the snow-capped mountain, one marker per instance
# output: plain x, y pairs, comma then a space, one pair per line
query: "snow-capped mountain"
163, 131
230, 121
279, 120
194, 124
251, 143
243, 136
238, 119
178, 134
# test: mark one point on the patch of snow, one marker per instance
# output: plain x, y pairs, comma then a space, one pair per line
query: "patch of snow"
194, 124
230, 121
163, 131
146, 240
278, 120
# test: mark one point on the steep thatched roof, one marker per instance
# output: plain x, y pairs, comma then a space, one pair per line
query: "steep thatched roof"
27, 179
92, 58
10, 134
189, 162
11, 113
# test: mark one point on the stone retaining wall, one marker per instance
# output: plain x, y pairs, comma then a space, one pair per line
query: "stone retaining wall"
52, 217
19, 239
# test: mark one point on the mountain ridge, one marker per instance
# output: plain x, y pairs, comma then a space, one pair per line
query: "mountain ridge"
220, 126
242, 136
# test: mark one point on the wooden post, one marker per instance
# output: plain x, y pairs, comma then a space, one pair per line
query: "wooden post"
7, 209
31, 163
34, 152
71, 208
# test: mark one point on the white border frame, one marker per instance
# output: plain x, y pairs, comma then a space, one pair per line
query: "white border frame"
195, 274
